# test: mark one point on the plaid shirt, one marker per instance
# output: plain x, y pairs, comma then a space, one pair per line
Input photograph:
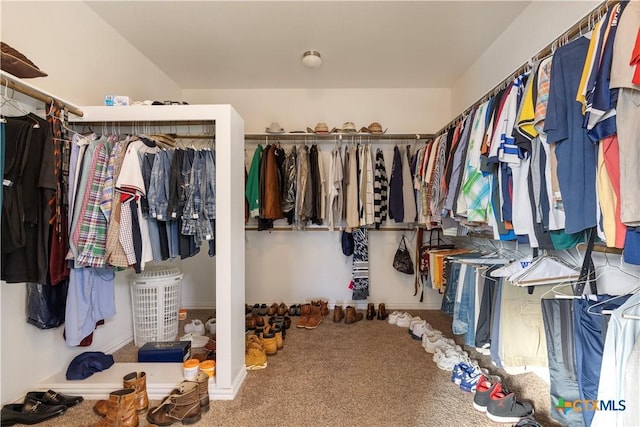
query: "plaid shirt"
92, 237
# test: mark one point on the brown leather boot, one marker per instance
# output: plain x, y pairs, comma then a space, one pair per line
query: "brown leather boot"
182, 405
351, 315
121, 410
136, 381
324, 307
338, 314
203, 391
371, 311
382, 311
316, 317
305, 312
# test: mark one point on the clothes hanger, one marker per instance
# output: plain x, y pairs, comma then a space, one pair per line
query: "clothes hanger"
13, 103
627, 315
633, 291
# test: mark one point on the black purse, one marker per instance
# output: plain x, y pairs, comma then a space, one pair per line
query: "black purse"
402, 259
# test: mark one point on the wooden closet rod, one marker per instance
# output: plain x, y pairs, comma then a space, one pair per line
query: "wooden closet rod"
338, 136
35, 93
582, 25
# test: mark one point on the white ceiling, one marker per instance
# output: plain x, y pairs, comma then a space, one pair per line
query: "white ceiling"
258, 44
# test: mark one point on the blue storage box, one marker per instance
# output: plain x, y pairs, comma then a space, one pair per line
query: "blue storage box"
173, 351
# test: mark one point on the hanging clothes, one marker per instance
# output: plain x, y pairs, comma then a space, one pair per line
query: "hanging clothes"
29, 183
360, 264
336, 196
380, 190
396, 193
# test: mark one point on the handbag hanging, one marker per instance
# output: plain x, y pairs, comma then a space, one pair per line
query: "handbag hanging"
402, 259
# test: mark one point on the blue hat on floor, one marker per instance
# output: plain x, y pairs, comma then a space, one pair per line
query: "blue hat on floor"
88, 363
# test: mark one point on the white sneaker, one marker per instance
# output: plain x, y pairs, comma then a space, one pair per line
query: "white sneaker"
393, 318
418, 329
438, 342
415, 320
451, 358
196, 327
404, 320
434, 335
211, 326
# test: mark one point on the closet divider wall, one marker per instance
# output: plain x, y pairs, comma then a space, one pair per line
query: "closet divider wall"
229, 279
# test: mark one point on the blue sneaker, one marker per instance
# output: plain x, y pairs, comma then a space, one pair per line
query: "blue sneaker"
470, 378
459, 372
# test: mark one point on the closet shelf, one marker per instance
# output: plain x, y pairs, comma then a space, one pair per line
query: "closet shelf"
15, 83
338, 136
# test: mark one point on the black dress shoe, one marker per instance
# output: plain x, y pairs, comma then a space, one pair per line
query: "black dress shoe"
29, 412
51, 397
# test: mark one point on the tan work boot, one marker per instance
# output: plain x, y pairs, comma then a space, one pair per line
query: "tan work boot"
277, 331
136, 381
203, 391
352, 316
305, 312
269, 343
121, 411
182, 405
338, 314
316, 317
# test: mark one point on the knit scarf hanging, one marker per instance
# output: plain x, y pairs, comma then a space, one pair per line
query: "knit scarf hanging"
360, 264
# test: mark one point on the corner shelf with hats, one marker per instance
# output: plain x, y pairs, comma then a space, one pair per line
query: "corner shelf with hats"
321, 130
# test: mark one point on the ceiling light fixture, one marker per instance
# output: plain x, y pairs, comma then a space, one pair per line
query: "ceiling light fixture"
312, 59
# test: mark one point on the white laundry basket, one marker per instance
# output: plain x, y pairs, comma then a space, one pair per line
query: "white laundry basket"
155, 299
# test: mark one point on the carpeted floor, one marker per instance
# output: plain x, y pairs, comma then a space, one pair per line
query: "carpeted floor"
366, 374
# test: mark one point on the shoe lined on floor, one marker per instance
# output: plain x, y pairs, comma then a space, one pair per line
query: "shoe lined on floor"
418, 329
371, 311
393, 318
305, 314
255, 357
448, 359
51, 397
527, 422
133, 380
121, 410
351, 315
413, 322
504, 408
30, 412
435, 342
471, 377
338, 314
404, 320
196, 327
459, 371
182, 405
382, 311
484, 387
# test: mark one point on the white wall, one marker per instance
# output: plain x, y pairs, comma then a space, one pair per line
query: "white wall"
537, 26
399, 110
85, 59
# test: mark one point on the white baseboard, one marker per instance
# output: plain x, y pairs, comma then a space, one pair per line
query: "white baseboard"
389, 306
116, 345
229, 393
